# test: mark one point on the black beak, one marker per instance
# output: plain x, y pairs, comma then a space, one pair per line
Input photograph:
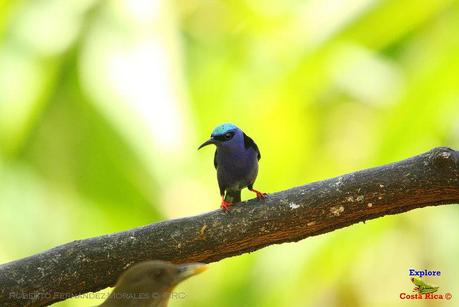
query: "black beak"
208, 142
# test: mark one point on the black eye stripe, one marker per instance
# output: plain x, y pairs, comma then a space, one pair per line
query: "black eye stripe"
223, 137
219, 137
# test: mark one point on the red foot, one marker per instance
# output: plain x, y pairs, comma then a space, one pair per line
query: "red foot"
225, 204
260, 195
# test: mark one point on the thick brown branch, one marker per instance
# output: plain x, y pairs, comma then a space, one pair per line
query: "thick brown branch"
87, 265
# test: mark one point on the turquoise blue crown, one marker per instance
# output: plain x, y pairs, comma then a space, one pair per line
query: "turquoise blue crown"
224, 128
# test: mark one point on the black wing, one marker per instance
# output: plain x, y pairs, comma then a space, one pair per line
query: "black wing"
248, 142
215, 159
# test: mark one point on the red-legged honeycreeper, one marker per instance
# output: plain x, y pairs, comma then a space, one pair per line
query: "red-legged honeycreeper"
236, 160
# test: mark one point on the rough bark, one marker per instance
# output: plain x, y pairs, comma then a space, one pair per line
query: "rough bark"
88, 265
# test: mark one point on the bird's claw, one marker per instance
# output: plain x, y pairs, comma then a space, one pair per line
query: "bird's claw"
261, 195
225, 205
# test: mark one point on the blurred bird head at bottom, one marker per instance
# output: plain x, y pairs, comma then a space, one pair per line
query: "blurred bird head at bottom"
150, 283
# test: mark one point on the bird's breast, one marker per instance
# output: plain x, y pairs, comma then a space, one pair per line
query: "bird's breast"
237, 169
243, 160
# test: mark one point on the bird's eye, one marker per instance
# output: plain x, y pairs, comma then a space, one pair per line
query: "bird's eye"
228, 135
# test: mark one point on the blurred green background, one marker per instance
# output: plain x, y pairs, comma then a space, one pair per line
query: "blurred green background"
103, 105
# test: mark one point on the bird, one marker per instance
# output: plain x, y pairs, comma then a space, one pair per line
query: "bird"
236, 161
149, 283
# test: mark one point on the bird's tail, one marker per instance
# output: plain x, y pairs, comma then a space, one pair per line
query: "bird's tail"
233, 196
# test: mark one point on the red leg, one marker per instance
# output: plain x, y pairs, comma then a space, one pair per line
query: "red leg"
225, 204
259, 194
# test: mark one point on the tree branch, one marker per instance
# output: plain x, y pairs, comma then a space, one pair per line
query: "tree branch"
88, 265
